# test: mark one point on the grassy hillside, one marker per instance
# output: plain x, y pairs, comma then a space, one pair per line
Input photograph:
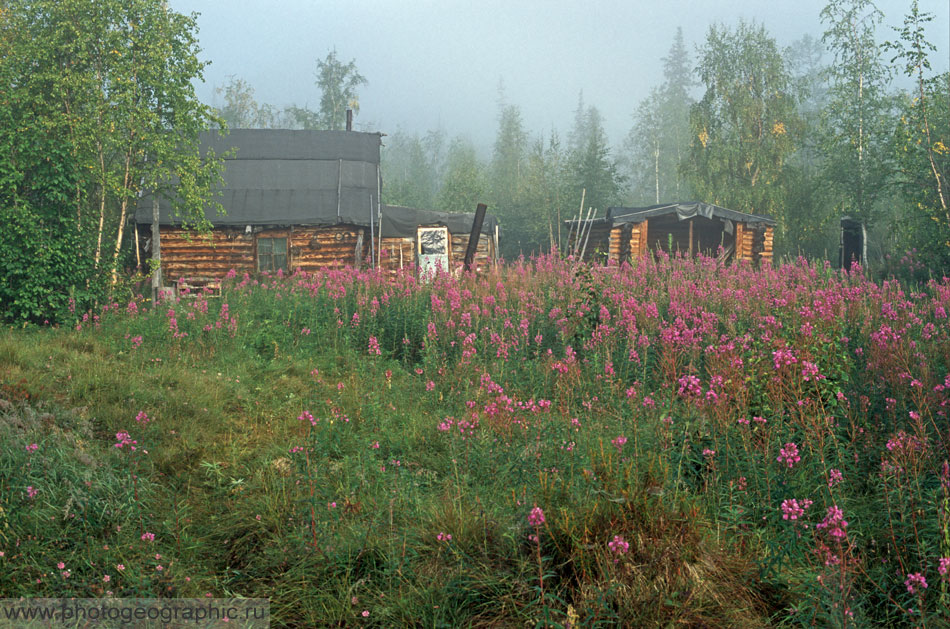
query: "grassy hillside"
676, 443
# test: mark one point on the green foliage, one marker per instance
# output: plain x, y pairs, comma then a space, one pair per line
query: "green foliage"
100, 107
921, 142
525, 184
856, 123
464, 185
813, 228
338, 83
44, 259
924, 224
241, 111
657, 143
509, 160
745, 125
591, 166
413, 167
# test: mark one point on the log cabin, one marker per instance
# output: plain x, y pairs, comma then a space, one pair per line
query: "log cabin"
627, 233
292, 199
305, 200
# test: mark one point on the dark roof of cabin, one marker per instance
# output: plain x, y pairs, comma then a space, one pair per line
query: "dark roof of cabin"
289, 177
683, 212
401, 222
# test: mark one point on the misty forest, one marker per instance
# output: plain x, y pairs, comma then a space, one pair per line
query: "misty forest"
538, 437
808, 134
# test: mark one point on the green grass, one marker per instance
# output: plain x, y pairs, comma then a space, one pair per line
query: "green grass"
218, 458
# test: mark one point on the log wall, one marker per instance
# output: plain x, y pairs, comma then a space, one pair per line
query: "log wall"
391, 248
484, 251
619, 244
397, 253
314, 248
638, 239
752, 242
598, 242
767, 246
745, 243
210, 256
189, 255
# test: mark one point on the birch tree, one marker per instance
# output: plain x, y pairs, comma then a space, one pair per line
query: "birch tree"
857, 117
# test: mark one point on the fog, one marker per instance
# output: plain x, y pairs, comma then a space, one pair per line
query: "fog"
439, 64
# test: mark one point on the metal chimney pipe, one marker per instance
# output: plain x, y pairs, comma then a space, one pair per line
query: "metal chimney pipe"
349, 119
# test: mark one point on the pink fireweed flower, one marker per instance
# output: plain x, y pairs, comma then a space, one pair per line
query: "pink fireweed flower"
536, 517
123, 439
374, 347
142, 418
914, 582
783, 357
60, 565
430, 385
708, 452
834, 523
789, 455
689, 386
792, 509
810, 371
305, 331
148, 537
375, 445
31, 493
834, 477
120, 567
618, 546
618, 442
306, 416
106, 578
444, 537
943, 567
32, 448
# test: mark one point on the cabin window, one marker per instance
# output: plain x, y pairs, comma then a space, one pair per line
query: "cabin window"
271, 254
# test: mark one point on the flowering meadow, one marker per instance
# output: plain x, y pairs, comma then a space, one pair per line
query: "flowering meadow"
674, 442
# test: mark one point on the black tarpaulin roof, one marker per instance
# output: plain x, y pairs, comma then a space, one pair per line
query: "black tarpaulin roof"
287, 177
401, 222
683, 211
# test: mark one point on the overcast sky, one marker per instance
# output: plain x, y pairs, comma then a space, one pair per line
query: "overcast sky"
438, 63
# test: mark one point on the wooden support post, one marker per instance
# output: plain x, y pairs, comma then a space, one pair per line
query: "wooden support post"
372, 239
358, 255
691, 238
739, 241
496, 254
480, 210
156, 252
